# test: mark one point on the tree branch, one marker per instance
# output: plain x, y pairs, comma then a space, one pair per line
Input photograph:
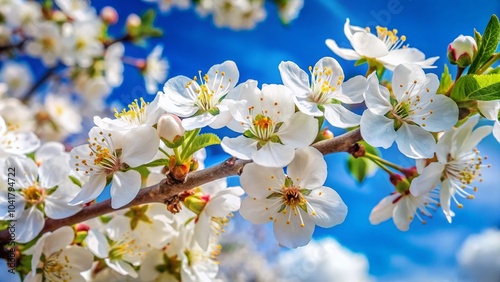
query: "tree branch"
162, 192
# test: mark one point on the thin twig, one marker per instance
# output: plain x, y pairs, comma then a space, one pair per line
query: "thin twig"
48, 73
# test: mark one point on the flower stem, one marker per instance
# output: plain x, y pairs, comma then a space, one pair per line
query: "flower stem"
376, 158
164, 152
382, 166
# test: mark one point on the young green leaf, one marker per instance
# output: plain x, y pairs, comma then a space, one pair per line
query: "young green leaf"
200, 142
445, 82
489, 43
477, 87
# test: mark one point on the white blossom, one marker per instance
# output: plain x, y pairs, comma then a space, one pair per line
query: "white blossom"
410, 116
386, 47
294, 202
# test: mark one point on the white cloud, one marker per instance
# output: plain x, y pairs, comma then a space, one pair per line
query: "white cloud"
479, 257
322, 260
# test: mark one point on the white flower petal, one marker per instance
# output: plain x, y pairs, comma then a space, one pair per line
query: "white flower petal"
403, 213
29, 225
308, 168
477, 135
368, 45
222, 205
489, 109
257, 211
341, 117
198, 121
124, 188
415, 142
328, 209
299, 131
403, 80
377, 130
26, 171
79, 258
288, 230
97, 243
349, 29
121, 267
307, 107
496, 130
58, 209
384, 209
58, 240
405, 56
427, 180
353, 90
294, 78
240, 147
273, 155
90, 190
54, 171
138, 151
445, 199
344, 53
202, 230
256, 180
444, 114
48, 150
377, 97
5, 211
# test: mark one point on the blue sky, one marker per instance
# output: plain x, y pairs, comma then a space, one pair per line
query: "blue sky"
192, 43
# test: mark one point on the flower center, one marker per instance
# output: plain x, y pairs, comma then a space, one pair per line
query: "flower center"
55, 269
101, 156
210, 92
320, 86
127, 246
136, 113
462, 171
292, 196
390, 38
263, 127
33, 194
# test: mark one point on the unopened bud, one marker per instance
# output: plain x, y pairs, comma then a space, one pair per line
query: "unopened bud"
401, 183
109, 15
179, 172
462, 50
81, 227
411, 172
194, 164
169, 128
196, 203
133, 21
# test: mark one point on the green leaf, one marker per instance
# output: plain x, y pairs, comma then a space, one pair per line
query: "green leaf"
158, 162
477, 87
446, 81
200, 142
489, 43
360, 168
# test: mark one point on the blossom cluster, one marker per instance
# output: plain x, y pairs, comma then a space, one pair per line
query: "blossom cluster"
158, 144
236, 15
83, 63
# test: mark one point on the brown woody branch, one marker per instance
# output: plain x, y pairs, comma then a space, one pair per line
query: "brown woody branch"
163, 191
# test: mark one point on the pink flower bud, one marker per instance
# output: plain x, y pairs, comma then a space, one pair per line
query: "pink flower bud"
133, 21
109, 15
170, 128
462, 50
